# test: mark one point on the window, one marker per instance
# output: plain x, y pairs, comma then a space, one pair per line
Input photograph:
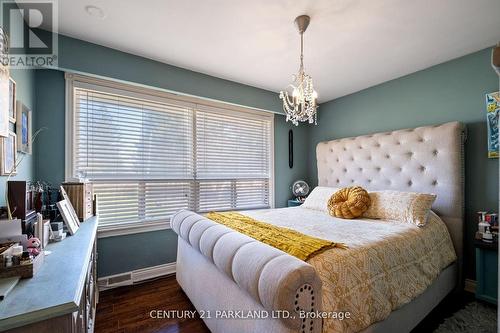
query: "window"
233, 155
149, 155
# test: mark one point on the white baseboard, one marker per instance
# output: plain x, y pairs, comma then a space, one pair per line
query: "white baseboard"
135, 276
470, 285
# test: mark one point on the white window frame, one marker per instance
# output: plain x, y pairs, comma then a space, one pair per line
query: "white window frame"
132, 90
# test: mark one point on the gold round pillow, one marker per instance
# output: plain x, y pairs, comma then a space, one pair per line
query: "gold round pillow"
349, 202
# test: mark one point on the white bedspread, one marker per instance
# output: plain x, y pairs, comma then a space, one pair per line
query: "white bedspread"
386, 265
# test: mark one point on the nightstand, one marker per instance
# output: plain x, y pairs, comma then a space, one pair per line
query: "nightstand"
486, 271
294, 203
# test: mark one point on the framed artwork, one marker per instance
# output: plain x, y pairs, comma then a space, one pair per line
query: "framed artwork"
4, 101
65, 209
72, 209
23, 128
8, 154
492, 117
12, 100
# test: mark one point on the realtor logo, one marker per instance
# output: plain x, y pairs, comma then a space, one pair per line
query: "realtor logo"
28, 25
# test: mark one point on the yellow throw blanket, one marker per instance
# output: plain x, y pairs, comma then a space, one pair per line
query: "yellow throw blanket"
287, 240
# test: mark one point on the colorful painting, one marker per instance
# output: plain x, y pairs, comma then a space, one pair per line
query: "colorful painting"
492, 115
24, 129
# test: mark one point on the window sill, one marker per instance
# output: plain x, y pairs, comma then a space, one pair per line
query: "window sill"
131, 228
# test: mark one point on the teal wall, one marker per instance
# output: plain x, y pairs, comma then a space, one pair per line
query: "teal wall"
78, 55
50, 104
25, 85
283, 175
152, 248
126, 253
450, 91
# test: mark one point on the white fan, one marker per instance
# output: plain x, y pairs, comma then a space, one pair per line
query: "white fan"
300, 189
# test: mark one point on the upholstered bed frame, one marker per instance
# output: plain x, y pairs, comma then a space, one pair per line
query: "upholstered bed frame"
221, 269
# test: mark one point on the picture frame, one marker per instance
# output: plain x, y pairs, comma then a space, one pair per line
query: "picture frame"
72, 209
8, 149
12, 100
65, 208
492, 119
24, 128
4, 101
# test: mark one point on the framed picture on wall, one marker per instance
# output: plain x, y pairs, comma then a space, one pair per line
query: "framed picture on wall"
12, 100
492, 118
8, 154
4, 101
23, 128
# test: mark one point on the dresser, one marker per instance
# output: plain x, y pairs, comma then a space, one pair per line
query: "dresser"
62, 296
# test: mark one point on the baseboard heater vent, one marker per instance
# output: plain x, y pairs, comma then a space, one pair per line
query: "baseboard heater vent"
115, 281
136, 276
119, 279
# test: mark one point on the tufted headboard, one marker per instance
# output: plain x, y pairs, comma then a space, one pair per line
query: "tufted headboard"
424, 159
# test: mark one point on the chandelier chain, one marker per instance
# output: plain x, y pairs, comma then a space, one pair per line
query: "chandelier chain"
302, 50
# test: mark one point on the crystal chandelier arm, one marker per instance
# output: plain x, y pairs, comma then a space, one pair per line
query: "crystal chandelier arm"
288, 104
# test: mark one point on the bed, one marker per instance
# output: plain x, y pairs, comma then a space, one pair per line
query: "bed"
262, 289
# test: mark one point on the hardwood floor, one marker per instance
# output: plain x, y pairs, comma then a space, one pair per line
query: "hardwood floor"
127, 309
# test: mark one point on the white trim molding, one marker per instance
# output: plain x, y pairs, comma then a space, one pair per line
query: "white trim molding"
69, 138
131, 228
179, 95
135, 276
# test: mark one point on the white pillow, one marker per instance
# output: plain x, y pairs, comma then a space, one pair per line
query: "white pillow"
318, 199
407, 207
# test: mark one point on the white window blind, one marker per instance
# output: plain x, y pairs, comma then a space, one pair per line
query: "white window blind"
150, 157
233, 153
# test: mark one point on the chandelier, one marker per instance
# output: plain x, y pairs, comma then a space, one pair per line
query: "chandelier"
299, 102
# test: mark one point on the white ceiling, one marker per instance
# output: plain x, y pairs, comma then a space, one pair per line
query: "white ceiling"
350, 44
